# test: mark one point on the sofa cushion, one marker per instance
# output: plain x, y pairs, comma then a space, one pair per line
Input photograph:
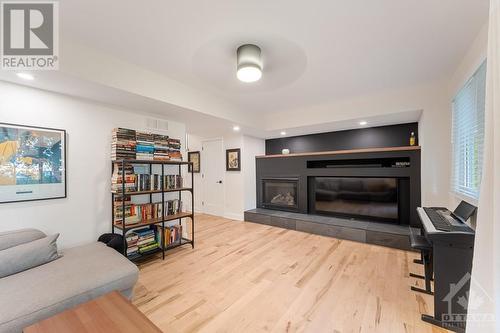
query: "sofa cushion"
19, 258
83, 273
17, 237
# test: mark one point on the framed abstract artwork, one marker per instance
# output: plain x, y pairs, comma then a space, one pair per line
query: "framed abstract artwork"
32, 163
233, 159
194, 157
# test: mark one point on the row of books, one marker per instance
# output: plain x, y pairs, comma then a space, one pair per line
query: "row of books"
123, 171
145, 148
131, 144
145, 240
174, 146
171, 235
140, 242
143, 182
123, 144
162, 148
135, 213
146, 182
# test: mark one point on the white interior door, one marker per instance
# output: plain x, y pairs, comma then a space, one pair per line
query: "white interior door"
213, 168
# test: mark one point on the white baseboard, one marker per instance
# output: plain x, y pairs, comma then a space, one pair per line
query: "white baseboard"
234, 216
196, 211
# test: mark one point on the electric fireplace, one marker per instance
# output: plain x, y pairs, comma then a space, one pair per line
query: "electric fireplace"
280, 193
371, 198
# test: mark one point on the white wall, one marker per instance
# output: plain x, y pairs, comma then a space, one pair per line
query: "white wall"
239, 186
435, 140
251, 147
194, 143
434, 127
86, 212
234, 182
433, 99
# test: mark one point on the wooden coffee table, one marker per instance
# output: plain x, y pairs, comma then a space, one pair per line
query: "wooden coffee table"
111, 313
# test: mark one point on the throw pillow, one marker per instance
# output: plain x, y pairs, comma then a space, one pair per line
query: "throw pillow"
25, 256
18, 237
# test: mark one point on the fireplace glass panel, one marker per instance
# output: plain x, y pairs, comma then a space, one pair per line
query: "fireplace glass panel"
375, 198
279, 193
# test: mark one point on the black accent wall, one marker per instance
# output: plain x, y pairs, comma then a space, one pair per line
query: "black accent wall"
373, 137
305, 167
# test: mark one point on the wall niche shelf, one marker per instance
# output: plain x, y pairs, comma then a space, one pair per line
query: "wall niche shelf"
347, 151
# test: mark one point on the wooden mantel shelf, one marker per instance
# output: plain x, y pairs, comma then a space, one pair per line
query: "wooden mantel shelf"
349, 151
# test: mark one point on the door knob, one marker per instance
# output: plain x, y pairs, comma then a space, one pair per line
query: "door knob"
219, 182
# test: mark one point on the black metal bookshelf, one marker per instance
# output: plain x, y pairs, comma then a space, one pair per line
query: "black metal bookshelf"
124, 228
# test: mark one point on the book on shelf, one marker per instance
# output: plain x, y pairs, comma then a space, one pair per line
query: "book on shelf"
130, 144
148, 248
145, 146
161, 147
141, 182
123, 144
174, 146
170, 235
123, 171
118, 210
146, 241
173, 207
141, 241
135, 213
172, 182
147, 182
131, 240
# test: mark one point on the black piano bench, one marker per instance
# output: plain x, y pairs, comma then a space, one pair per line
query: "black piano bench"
420, 243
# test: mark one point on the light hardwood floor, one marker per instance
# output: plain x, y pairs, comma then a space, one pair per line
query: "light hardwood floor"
245, 277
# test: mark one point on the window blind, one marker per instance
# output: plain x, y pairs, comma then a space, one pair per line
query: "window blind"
468, 135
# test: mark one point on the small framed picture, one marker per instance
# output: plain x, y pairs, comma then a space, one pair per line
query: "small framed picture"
233, 159
194, 157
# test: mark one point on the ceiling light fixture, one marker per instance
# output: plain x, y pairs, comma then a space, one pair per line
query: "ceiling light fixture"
236, 128
249, 63
25, 76
283, 133
363, 123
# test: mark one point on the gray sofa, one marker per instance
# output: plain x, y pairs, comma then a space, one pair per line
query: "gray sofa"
80, 274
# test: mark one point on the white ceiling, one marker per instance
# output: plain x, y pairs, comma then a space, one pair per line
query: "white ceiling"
346, 60
314, 51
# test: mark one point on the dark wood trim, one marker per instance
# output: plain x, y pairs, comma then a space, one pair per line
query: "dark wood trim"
191, 168
349, 151
236, 150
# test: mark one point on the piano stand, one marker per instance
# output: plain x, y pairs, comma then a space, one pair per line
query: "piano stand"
452, 253
425, 291
431, 320
418, 276
419, 242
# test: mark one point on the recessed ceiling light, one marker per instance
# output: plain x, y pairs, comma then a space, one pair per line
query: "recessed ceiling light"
363, 123
26, 76
249, 63
283, 133
236, 128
